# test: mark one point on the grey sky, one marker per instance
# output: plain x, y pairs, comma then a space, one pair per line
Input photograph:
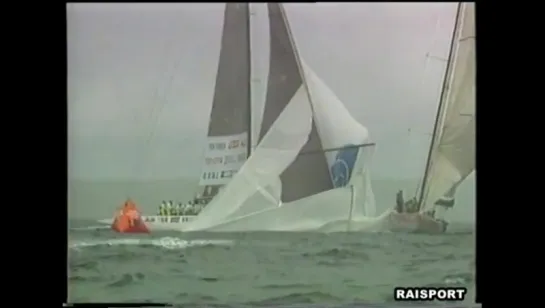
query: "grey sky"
141, 69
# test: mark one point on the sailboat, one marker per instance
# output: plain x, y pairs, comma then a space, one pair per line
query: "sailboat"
451, 157
304, 168
309, 170
228, 141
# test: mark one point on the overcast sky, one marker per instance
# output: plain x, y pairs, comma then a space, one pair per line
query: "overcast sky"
141, 79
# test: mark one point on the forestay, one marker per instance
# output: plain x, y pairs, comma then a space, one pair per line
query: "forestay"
289, 182
229, 127
452, 156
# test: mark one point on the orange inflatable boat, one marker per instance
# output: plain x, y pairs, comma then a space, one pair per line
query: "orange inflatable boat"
129, 220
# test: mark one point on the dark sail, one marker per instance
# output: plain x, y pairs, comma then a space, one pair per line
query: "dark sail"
308, 174
229, 127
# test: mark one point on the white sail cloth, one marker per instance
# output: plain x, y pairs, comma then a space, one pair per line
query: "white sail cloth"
250, 202
453, 154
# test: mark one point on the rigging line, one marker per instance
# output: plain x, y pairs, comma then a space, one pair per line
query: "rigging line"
159, 80
442, 100
157, 104
419, 181
118, 98
164, 102
134, 111
427, 59
109, 45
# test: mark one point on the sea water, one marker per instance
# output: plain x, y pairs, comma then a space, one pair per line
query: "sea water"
252, 268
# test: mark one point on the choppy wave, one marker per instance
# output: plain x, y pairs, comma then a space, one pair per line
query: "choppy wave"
87, 228
263, 269
164, 242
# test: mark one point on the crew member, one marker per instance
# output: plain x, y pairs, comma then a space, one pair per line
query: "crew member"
173, 209
168, 207
129, 204
163, 209
176, 209
191, 209
197, 199
444, 225
430, 213
187, 207
180, 209
399, 201
129, 211
411, 206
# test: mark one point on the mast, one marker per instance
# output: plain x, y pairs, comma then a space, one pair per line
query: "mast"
351, 209
442, 100
249, 100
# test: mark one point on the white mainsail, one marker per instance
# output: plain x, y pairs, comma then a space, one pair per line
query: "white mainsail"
452, 150
291, 182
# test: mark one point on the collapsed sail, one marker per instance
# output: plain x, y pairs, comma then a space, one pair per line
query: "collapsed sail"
339, 209
289, 182
257, 186
229, 127
452, 154
307, 174
350, 163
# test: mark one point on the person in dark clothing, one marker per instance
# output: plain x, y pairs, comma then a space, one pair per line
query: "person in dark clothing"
399, 201
411, 206
444, 225
190, 210
430, 213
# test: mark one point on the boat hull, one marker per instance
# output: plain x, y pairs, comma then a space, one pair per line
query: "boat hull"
137, 226
415, 223
164, 223
392, 221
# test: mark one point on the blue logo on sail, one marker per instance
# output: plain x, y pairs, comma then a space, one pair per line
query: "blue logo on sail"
341, 170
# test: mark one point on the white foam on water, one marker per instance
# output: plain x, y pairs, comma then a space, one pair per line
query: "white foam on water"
164, 242
97, 227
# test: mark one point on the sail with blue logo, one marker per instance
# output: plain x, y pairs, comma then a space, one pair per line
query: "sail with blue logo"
350, 164
310, 168
343, 164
